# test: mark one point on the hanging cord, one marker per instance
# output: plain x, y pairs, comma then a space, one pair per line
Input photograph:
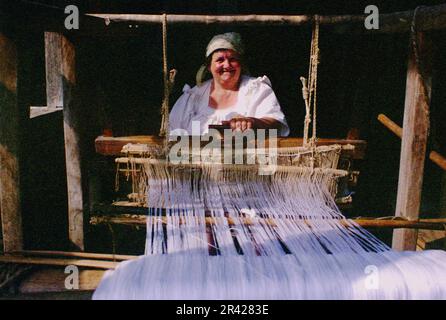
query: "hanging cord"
313, 86
164, 130
305, 95
309, 88
418, 66
168, 81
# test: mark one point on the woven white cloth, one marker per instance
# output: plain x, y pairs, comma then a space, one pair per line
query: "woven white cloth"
400, 275
310, 252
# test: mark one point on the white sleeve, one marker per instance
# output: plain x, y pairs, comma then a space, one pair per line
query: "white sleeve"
178, 114
267, 104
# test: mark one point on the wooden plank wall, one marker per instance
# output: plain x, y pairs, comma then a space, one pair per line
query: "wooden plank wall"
11, 217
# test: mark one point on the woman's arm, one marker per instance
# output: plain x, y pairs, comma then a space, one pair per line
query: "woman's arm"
267, 107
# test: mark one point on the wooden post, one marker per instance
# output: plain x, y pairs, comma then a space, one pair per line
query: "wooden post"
60, 56
11, 217
53, 63
413, 146
54, 83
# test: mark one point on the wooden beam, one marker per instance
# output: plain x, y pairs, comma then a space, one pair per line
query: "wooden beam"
35, 111
424, 224
251, 19
389, 124
112, 146
438, 159
84, 255
429, 18
60, 56
434, 156
413, 146
11, 218
87, 263
141, 221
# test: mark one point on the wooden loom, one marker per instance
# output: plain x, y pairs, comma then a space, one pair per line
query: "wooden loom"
306, 155
117, 145
11, 214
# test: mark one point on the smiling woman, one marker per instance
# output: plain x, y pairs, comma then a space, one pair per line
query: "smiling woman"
229, 97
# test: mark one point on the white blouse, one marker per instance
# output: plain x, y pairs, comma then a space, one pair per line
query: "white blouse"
255, 99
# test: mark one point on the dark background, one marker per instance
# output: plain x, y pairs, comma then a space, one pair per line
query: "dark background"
120, 87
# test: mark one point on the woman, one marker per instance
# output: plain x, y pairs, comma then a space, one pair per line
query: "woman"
229, 97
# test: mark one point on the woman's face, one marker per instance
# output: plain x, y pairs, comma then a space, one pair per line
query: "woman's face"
226, 68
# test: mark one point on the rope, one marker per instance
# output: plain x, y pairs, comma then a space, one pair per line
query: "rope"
305, 95
165, 105
309, 89
314, 73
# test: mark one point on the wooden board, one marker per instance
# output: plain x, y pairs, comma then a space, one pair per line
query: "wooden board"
53, 280
112, 146
431, 239
61, 83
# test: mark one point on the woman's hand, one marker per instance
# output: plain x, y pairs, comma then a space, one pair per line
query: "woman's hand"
242, 123
245, 123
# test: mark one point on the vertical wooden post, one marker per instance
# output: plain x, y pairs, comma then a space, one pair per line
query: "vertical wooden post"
11, 217
53, 63
61, 76
413, 147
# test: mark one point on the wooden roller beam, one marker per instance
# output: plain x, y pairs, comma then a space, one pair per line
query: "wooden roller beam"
139, 220
112, 146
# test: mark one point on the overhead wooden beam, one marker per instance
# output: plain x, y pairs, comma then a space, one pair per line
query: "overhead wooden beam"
11, 217
60, 55
413, 146
251, 19
429, 18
